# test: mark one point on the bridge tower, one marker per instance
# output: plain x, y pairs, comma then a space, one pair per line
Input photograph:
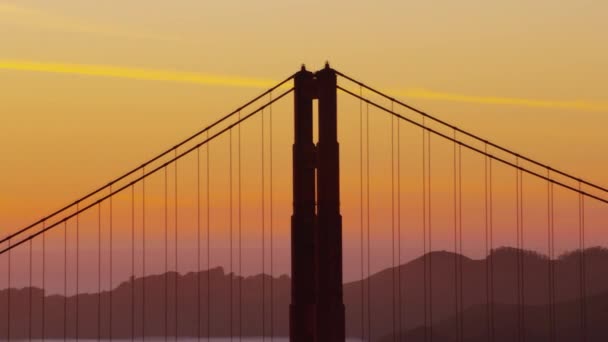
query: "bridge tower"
317, 308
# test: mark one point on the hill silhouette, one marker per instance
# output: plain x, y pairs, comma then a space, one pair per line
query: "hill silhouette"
536, 324
536, 288
90, 315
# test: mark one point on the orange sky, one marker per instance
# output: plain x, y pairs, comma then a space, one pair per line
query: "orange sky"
88, 91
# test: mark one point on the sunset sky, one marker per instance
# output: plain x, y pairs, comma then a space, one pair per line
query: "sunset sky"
91, 89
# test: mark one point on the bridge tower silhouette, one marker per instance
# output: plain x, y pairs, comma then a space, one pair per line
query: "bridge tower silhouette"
317, 308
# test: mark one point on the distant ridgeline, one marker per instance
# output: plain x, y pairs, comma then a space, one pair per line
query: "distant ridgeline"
94, 320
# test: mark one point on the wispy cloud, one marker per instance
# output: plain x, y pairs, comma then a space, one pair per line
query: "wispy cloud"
236, 81
415, 93
36, 18
137, 73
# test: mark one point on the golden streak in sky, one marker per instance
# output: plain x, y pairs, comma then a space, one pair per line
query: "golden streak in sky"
137, 73
233, 81
495, 100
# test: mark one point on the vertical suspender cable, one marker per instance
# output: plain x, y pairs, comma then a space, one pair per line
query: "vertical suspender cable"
231, 277
29, 330
549, 277
522, 246
110, 290
98, 272
240, 234
430, 241
518, 251
489, 238
263, 234
166, 253
176, 282
460, 242
393, 222
550, 259
369, 279
43, 304
198, 243
399, 300
208, 244
361, 213
553, 290
8, 289
271, 226
456, 256
424, 224
43, 281
491, 218
132, 262
487, 249
143, 254
77, 267
65, 280
523, 266
582, 273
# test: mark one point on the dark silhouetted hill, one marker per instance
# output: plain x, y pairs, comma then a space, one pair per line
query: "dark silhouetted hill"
156, 310
536, 326
536, 288
536, 276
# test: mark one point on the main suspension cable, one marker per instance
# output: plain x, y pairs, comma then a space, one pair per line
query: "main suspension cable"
150, 161
475, 149
148, 174
471, 135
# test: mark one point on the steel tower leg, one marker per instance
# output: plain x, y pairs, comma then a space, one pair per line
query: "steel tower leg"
302, 308
330, 306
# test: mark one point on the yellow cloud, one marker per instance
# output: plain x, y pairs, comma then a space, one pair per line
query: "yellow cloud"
495, 100
30, 17
137, 73
233, 81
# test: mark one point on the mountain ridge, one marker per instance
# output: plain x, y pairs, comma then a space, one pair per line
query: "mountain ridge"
411, 304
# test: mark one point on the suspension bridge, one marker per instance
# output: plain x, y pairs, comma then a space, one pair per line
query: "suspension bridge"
410, 229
